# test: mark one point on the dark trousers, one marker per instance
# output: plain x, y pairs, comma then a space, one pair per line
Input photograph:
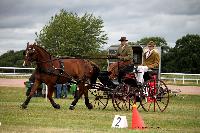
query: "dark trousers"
123, 70
146, 76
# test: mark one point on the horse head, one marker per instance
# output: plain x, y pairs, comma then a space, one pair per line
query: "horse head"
30, 54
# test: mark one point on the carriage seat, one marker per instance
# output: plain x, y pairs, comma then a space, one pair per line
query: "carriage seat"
129, 75
153, 71
104, 73
105, 80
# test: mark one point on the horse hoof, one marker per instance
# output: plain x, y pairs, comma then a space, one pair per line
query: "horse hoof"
71, 107
56, 106
90, 106
23, 106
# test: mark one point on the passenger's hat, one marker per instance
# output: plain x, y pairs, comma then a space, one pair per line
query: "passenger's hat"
151, 43
123, 39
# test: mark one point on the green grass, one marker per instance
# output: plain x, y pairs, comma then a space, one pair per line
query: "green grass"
182, 115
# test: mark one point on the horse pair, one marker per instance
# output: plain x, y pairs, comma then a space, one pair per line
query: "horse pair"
52, 70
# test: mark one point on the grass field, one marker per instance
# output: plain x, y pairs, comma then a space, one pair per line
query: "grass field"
182, 115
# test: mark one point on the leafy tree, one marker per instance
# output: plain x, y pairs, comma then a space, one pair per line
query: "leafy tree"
184, 57
187, 53
102, 63
68, 34
12, 58
168, 63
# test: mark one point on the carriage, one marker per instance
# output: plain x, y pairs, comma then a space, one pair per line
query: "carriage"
150, 95
50, 70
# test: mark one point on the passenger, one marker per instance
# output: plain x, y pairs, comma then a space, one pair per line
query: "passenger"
151, 60
125, 55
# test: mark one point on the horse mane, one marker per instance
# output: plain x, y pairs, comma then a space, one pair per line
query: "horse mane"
42, 49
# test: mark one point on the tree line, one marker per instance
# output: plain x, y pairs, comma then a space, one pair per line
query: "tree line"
68, 34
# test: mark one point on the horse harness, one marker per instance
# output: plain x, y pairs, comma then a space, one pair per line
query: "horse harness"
57, 71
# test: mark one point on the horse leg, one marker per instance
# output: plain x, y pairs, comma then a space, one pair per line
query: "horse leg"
50, 93
85, 92
87, 103
33, 89
77, 97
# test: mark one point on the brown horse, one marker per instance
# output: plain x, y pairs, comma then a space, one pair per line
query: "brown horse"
51, 70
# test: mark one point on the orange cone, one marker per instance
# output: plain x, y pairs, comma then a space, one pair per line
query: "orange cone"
137, 122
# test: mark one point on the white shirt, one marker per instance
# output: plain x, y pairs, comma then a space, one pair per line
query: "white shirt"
148, 53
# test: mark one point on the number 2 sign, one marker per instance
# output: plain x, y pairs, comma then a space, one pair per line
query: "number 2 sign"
120, 122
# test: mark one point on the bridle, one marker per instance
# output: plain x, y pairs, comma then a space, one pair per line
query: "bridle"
31, 51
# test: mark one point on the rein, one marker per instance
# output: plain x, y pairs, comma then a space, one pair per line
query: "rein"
40, 62
74, 58
65, 74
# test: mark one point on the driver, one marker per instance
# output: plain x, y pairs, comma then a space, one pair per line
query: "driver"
125, 54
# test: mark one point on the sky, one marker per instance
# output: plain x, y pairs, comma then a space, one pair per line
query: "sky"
135, 19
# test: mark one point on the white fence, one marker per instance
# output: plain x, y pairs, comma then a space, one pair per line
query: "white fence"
180, 77
164, 76
13, 71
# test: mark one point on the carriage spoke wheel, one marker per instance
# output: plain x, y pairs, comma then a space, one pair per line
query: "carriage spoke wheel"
154, 98
99, 99
123, 98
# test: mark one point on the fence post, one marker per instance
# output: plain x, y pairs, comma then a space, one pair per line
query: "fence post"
46, 92
174, 80
197, 81
183, 79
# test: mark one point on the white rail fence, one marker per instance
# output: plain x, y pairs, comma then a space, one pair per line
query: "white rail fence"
180, 77
13, 71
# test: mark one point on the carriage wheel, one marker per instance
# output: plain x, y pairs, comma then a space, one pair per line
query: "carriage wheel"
123, 98
120, 98
154, 97
99, 98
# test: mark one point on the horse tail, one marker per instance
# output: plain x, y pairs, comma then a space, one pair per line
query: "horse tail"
95, 74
